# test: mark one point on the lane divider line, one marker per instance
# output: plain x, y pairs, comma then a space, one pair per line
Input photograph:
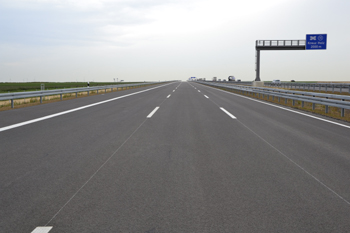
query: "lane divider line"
73, 110
168, 96
42, 230
290, 110
173, 90
299, 166
199, 91
154, 111
206, 97
93, 175
225, 111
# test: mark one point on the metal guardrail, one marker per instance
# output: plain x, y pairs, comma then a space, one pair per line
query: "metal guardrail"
232, 82
340, 101
312, 86
30, 94
327, 87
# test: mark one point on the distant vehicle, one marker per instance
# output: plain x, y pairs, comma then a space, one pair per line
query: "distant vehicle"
224, 80
214, 79
219, 80
276, 81
231, 78
292, 81
238, 80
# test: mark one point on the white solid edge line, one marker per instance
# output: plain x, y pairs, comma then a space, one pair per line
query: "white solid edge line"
41, 230
224, 110
290, 110
154, 111
72, 110
206, 97
168, 96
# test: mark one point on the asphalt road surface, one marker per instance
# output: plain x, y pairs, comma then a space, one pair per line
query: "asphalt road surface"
179, 157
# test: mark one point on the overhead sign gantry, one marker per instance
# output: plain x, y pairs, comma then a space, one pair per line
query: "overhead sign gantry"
312, 42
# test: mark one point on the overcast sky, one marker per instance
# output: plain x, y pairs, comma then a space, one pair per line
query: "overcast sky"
152, 40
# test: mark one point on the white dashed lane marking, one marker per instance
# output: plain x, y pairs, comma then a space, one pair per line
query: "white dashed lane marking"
154, 111
225, 111
42, 230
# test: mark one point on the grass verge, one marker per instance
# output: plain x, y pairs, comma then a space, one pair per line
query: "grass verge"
27, 102
36, 86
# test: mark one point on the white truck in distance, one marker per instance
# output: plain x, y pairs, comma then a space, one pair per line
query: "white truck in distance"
231, 78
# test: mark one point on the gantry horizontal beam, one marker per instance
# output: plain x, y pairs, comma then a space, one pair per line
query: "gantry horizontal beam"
280, 45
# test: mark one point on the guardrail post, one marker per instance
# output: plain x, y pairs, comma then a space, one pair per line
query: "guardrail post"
97, 91
61, 96
12, 104
326, 86
41, 99
341, 87
313, 104
326, 107
333, 88
285, 100
302, 102
76, 94
342, 111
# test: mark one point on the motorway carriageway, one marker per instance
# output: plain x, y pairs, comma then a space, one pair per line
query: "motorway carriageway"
177, 157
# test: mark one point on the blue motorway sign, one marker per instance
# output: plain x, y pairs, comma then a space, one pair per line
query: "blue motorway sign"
316, 41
